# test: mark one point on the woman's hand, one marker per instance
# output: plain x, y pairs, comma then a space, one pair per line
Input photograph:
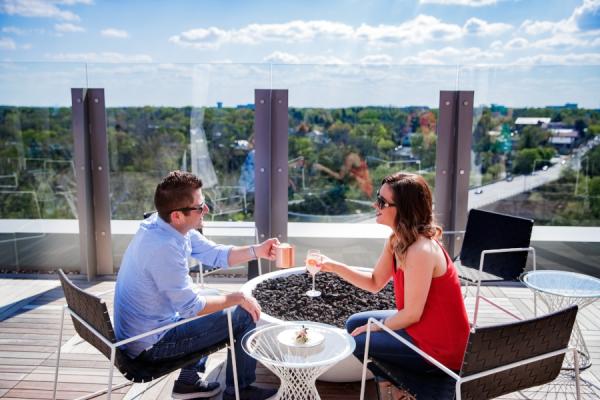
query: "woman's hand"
327, 264
363, 328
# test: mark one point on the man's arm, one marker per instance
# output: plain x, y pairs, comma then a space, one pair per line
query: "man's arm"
218, 303
243, 254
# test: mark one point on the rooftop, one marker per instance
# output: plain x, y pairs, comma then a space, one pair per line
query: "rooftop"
30, 310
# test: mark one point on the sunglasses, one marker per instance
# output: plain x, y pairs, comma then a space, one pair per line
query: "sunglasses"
381, 202
199, 207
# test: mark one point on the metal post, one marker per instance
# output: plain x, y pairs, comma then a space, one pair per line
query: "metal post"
453, 162
91, 173
271, 164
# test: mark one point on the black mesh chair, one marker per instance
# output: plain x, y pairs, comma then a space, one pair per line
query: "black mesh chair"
499, 359
92, 323
495, 248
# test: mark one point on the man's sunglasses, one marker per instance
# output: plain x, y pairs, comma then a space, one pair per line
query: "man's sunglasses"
381, 202
199, 207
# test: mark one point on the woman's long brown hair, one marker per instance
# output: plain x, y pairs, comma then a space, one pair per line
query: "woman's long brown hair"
414, 212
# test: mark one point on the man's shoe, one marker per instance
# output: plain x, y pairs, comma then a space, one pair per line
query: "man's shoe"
252, 393
200, 389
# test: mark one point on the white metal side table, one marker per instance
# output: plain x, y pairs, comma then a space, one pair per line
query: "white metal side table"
298, 365
560, 289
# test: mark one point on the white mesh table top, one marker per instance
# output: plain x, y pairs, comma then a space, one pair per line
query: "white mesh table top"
264, 344
563, 283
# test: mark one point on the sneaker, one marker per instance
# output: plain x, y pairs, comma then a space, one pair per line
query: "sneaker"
252, 393
200, 389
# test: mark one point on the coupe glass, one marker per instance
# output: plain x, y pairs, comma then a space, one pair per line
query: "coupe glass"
313, 257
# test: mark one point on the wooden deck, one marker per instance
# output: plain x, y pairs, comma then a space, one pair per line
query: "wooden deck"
30, 311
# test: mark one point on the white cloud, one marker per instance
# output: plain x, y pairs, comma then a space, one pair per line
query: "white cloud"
470, 3
560, 59
538, 27
587, 16
453, 55
68, 28
115, 33
7, 44
420, 29
280, 57
517, 43
13, 30
106, 57
476, 26
376, 59
40, 9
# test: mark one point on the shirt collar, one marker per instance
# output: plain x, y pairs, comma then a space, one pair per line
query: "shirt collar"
167, 228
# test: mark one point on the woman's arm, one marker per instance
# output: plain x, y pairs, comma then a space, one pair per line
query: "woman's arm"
418, 273
369, 281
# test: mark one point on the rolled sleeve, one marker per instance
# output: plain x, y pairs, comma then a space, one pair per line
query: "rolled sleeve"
208, 252
175, 283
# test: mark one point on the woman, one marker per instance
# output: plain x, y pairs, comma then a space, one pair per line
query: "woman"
430, 309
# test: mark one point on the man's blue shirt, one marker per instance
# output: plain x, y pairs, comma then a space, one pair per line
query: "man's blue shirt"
153, 285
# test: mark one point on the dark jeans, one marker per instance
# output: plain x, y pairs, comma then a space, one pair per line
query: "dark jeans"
384, 347
204, 332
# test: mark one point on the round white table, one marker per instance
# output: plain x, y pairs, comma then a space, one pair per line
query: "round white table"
298, 365
560, 289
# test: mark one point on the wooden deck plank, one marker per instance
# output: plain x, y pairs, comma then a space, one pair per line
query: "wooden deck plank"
28, 338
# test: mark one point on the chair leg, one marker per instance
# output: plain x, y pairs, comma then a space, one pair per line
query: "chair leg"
110, 374
232, 354
576, 365
363, 379
62, 323
200, 275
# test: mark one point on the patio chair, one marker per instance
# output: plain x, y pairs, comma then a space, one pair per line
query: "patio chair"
494, 249
92, 323
200, 270
499, 359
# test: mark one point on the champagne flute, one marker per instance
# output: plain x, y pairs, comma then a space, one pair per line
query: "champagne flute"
313, 257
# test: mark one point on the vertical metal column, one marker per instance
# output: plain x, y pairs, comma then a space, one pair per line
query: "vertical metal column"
92, 175
453, 163
271, 164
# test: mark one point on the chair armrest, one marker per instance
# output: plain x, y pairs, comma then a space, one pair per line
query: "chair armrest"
452, 232
508, 250
423, 354
164, 328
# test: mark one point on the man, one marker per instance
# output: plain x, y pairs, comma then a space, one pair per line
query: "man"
154, 289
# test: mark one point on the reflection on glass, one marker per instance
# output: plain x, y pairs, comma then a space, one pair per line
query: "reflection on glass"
540, 160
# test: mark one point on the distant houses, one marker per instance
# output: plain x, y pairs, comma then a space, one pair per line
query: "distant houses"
563, 137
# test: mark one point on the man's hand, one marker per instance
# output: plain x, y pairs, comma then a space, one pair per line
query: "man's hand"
267, 249
250, 304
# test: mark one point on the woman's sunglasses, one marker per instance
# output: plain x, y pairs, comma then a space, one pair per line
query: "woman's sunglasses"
381, 202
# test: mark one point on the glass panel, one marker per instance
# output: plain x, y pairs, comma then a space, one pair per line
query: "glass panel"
535, 142
37, 176
163, 117
350, 126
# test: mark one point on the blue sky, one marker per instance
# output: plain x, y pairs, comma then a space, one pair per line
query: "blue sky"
372, 50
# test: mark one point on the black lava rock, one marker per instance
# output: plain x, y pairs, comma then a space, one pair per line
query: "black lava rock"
285, 298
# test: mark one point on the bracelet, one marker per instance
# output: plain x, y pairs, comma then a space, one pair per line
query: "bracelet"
253, 252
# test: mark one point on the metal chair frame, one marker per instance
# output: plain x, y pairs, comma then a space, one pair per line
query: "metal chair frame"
113, 347
460, 379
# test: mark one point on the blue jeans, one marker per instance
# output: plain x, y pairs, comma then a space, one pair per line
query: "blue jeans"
384, 347
204, 332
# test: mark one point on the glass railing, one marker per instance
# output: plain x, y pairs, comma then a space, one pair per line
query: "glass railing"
349, 126
535, 142
352, 125
37, 174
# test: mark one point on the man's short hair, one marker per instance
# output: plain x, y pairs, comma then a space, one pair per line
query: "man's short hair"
176, 190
